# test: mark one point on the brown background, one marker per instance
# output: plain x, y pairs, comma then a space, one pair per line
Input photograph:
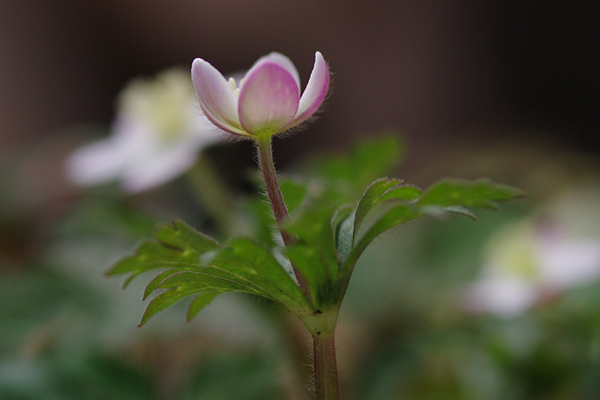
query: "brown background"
437, 71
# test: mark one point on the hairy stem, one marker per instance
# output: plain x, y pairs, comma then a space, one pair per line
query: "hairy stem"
267, 167
326, 376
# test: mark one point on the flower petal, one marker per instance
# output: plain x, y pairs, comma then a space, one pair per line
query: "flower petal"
505, 298
268, 99
282, 61
569, 263
315, 91
104, 160
217, 98
158, 166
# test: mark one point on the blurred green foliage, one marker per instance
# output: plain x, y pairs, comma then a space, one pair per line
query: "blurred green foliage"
66, 332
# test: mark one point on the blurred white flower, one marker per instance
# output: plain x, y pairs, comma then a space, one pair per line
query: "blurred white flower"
528, 263
158, 134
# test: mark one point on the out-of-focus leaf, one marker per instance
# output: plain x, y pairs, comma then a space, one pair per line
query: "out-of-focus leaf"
367, 160
479, 193
294, 192
442, 212
253, 370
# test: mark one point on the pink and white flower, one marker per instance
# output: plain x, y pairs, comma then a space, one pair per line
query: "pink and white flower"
157, 135
266, 101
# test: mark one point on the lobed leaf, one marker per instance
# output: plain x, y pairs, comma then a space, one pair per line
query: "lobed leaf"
194, 264
166, 299
370, 198
252, 265
314, 253
199, 302
156, 281
479, 193
395, 216
176, 246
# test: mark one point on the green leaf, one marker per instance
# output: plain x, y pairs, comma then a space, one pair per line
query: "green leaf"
207, 281
342, 224
199, 302
196, 265
461, 211
402, 192
395, 216
155, 282
294, 193
366, 160
480, 193
251, 264
379, 191
239, 266
177, 246
448, 196
314, 253
167, 299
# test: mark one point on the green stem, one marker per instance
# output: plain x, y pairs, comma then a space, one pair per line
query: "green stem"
267, 167
326, 376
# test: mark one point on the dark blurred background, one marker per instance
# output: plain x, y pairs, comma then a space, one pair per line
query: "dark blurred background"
434, 70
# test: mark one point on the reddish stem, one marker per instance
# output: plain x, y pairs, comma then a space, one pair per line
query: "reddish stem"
326, 376
267, 167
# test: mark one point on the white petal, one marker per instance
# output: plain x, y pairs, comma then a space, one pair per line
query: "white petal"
158, 169
503, 297
104, 160
569, 263
315, 92
217, 98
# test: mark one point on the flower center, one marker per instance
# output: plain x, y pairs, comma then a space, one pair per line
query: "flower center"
234, 86
162, 104
513, 252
